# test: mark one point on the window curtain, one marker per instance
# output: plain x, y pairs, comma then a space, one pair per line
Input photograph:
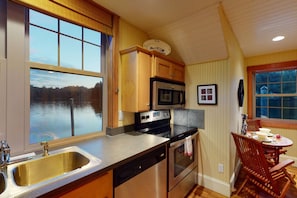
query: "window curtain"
85, 13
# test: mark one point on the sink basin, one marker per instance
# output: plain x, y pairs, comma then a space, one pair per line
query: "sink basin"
2, 183
44, 168
39, 175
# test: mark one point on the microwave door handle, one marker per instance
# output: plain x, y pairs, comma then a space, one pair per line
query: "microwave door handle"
182, 97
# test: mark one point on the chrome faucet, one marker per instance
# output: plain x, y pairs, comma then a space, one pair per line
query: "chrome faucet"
45, 147
4, 154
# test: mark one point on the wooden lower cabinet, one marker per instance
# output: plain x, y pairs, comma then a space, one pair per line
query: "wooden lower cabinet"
97, 185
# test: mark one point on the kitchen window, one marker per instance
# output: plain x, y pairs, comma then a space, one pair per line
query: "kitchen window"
67, 72
273, 93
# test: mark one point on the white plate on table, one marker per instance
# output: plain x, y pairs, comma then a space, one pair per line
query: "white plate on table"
267, 139
268, 134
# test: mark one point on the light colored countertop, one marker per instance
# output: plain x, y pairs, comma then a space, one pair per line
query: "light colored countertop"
111, 150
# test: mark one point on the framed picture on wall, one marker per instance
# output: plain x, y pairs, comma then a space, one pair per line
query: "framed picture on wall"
207, 94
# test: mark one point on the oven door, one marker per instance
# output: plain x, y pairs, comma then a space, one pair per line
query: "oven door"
180, 165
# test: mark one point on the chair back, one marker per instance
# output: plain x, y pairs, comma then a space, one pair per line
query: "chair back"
253, 160
253, 125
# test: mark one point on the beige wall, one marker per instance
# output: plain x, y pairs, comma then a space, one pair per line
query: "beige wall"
130, 35
271, 58
215, 143
274, 58
237, 71
213, 139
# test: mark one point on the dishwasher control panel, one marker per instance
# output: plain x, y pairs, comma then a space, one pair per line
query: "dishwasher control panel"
134, 167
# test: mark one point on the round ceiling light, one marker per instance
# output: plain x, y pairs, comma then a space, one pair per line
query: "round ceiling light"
278, 38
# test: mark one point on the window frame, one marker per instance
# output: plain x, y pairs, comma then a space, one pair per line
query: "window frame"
13, 119
251, 70
61, 68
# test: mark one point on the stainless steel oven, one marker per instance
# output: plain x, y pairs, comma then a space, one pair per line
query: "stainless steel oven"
166, 94
181, 175
182, 168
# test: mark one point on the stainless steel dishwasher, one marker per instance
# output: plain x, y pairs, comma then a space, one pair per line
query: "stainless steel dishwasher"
144, 177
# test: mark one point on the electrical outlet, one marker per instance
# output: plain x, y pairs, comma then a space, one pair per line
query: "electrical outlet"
221, 168
121, 115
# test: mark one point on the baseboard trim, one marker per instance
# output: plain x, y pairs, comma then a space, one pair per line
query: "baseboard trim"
219, 186
235, 175
214, 185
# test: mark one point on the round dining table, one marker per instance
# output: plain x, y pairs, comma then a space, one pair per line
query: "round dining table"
279, 142
274, 146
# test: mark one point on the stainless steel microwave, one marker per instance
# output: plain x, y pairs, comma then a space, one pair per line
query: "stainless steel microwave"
166, 94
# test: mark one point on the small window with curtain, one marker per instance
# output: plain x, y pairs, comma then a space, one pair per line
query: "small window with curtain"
66, 78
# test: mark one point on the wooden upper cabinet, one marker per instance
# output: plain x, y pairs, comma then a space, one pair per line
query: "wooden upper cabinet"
135, 79
138, 65
166, 68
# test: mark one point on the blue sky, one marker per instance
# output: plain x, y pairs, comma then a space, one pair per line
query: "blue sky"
43, 78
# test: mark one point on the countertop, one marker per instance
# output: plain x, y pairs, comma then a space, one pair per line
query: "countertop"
112, 150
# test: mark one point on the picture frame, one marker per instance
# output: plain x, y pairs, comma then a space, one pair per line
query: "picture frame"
207, 94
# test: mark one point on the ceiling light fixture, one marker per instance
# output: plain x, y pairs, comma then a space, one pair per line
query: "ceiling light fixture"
278, 38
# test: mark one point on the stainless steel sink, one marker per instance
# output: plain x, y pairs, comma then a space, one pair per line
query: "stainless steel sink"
2, 183
41, 174
44, 168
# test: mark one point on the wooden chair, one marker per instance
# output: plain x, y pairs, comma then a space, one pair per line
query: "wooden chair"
253, 125
271, 153
273, 180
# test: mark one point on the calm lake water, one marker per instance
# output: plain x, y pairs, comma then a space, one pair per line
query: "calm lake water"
50, 121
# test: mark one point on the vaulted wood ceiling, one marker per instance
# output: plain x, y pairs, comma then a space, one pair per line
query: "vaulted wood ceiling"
193, 30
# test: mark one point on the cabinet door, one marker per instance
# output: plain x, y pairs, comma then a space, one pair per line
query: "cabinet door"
178, 72
144, 75
163, 68
100, 187
135, 83
97, 185
169, 70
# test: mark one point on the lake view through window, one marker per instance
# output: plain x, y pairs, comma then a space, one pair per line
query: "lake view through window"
66, 79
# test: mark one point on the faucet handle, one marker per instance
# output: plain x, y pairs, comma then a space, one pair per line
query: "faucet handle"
4, 144
44, 143
45, 147
5, 152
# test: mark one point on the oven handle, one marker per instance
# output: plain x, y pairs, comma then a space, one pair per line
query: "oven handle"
180, 142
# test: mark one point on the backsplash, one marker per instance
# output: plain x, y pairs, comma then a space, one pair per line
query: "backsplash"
189, 117
119, 130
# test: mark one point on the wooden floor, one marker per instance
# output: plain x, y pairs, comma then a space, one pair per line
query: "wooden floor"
201, 192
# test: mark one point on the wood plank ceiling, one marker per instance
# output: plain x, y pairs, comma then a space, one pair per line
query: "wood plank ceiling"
192, 27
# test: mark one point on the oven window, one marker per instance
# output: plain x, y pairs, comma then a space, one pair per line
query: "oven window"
181, 161
165, 96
